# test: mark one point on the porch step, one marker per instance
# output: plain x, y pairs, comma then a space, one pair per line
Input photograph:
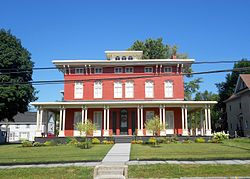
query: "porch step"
123, 139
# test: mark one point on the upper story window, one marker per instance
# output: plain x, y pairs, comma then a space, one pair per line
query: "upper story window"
78, 70
129, 89
148, 69
167, 69
78, 90
117, 89
149, 89
98, 70
130, 58
98, 89
124, 58
168, 85
129, 70
117, 58
118, 70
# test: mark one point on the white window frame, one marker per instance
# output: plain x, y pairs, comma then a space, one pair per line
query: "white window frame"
168, 69
117, 58
149, 89
169, 89
131, 70
78, 90
124, 58
77, 118
129, 89
146, 70
98, 70
97, 89
117, 89
118, 71
130, 58
98, 120
79, 70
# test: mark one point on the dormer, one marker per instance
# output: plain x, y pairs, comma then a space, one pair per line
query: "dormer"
243, 83
123, 55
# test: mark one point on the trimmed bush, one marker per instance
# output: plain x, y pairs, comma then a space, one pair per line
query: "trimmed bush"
50, 143
73, 141
200, 140
220, 136
84, 145
107, 142
26, 143
187, 141
37, 144
95, 141
152, 140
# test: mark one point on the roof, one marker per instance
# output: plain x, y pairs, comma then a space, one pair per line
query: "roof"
27, 117
246, 79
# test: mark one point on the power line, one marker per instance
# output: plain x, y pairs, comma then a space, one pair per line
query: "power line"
18, 71
46, 82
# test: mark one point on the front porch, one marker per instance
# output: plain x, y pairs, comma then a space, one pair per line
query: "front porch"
123, 117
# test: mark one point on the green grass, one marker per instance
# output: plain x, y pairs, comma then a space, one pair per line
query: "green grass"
13, 154
231, 149
171, 171
41, 173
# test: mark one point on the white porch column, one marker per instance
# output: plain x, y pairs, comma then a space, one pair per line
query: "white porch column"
139, 122
206, 123
41, 120
185, 132
141, 117
182, 119
108, 118
83, 115
160, 109
38, 131
105, 131
209, 121
164, 117
61, 128
86, 115
201, 123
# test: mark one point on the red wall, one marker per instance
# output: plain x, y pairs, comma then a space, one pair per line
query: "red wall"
108, 85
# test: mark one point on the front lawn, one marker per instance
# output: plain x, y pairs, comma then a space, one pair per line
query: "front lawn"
54, 172
174, 171
13, 154
230, 149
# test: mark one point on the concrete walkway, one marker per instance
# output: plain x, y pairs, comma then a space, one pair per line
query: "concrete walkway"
119, 153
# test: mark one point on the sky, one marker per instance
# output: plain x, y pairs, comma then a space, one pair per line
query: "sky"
206, 30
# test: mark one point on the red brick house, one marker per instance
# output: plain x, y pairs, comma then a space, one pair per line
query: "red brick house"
122, 92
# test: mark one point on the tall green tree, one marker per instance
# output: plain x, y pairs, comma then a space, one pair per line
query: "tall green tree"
156, 49
226, 89
14, 58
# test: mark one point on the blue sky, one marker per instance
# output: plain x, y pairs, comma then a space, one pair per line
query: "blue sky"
206, 30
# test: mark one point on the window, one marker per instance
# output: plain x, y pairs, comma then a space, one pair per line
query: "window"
148, 69
240, 105
98, 89
167, 69
98, 120
169, 120
78, 70
117, 58
129, 70
246, 124
27, 126
78, 94
168, 89
230, 108
117, 90
118, 69
130, 58
150, 115
98, 70
129, 89
77, 119
149, 89
124, 58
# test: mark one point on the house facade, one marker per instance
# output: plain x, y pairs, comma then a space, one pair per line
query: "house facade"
238, 108
119, 94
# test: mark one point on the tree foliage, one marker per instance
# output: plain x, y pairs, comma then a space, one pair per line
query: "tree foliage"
154, 125
192, 87
86, 128
226, 89
14, 57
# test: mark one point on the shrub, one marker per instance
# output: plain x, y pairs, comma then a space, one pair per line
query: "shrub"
139, 142
73, 141
95, 141
200, 140
37, 144
213, 140
161, 140
133, 142
220, 136
152, 140
50, 143
84, 145
26, 143
187, 141
107, 142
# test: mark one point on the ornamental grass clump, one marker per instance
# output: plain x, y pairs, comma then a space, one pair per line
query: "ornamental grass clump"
26, 143
50, 143
218, 137
96, 141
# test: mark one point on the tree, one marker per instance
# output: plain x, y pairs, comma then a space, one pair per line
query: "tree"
226, 89
156, 49
14, 58
86, 128
154, 125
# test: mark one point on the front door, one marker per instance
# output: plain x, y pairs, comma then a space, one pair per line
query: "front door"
124, 122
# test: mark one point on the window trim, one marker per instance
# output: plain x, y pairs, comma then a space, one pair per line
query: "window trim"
165, 89
130, 58
118, 68
98, 68
117, 58
146, 86
115, 89
124, 58
129, 68
75, 96
126, 91
97, 87
77, 70
171, 70
152, 70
